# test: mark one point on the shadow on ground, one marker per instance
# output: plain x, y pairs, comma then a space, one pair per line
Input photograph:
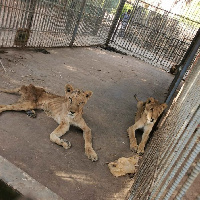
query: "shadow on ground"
114, 79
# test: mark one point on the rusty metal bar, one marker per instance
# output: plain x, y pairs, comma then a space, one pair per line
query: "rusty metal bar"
116, 18
77, 23
195, 172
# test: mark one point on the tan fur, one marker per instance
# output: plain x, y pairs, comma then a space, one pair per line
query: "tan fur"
65, 110
124, 166
146, 116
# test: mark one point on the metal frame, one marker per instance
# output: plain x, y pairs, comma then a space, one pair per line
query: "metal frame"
174, 148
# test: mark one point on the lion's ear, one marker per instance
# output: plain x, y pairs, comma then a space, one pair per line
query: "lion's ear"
88, 94
163, 106
68, 88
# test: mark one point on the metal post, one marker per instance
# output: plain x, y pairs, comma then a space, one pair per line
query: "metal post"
186, 61
187, 165
31, 14
115, 20
189, 181
77, 23
22, 34
174, 159
185, 67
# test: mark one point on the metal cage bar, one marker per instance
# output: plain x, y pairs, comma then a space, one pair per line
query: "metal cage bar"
174, 146
195, 172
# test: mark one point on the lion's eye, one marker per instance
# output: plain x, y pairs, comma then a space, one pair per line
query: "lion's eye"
151, 109
70, 99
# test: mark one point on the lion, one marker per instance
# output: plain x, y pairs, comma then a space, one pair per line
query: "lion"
146, 116
65, 110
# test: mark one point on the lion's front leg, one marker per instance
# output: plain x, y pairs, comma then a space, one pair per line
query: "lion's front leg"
131, 133
145, 136
89, 151
58, 132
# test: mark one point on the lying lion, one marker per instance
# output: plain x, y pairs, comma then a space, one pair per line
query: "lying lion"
65, 110
146, 116
124, 166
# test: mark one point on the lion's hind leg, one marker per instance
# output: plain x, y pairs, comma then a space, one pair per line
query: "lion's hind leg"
135, 95
10, 91
31, 113
140, 110
58, 132
131, 133
21, 106
145, 137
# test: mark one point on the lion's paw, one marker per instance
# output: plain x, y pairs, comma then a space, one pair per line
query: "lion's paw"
134, 147
66, 144
31, 113
1, 109
129, 131
140, 150
91, 154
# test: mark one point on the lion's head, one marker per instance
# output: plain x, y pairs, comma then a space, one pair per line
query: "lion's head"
76, 99
153, 109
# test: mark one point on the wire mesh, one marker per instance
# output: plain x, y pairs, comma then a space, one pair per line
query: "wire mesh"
52, 23
189, 181
157, 32
174, 147
94, 25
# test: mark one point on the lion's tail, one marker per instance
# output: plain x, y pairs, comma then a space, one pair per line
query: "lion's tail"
10, 91
136, 98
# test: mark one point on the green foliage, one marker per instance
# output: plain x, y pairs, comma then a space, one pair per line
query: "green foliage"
191, 14
126, 7
192, 11
111, 5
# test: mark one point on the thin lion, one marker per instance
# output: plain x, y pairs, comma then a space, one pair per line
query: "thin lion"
65, 110
146, 116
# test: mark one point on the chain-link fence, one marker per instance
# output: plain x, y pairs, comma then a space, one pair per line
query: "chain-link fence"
174, 150
54, 23
158, 32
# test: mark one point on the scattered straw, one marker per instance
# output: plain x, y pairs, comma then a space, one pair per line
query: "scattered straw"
3, 66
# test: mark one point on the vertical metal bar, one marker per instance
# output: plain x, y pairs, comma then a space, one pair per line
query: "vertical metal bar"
77, 23
31, 13
51, 22
7, 22
182, 120
183, 171
42, 18
184, 60
11, 23
195, 172
174, 156
187, 64
177, 166
34, 25
3, 10
115, 20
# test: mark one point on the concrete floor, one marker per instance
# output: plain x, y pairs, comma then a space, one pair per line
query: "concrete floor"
114, 79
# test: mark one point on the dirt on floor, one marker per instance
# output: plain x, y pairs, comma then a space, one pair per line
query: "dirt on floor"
114, 79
